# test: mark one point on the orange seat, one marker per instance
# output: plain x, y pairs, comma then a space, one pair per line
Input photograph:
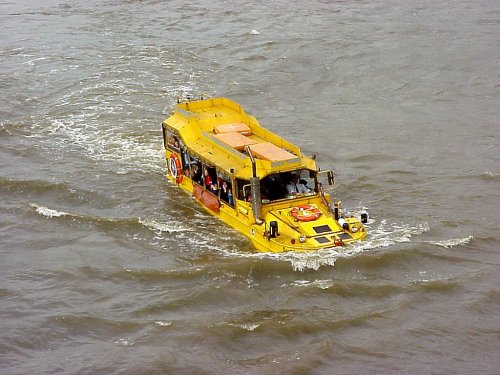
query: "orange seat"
271, 152
235, 140
234, 127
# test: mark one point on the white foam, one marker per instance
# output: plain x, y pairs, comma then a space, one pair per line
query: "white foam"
247, 326
48, 212
124, 342
171, 227
108, 144
32, 61
321, 284
452, 242
97, 120
382, 236
163, 323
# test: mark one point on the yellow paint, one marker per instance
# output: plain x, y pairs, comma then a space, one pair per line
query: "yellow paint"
195, 123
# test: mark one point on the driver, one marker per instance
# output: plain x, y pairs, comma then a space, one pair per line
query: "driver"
295, 187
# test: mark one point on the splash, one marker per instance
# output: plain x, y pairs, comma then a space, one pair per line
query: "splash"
124, 342
250, 327
115, 119
48, 212
160, 227
383, 235
163, 323
452, 242
321, 284
112, 143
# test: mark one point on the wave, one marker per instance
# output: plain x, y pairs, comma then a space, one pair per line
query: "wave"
127, 223
484, 176
163, 323
111, 119
124, 342
250, 327
171, 227
321, 284
48, 212
489, 175
54, 191
38, 186
452, 242
382, 236
372, 157
132, 151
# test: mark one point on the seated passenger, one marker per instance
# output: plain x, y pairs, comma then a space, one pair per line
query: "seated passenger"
295, 187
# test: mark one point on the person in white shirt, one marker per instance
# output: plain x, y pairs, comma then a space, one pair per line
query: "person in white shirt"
295, 187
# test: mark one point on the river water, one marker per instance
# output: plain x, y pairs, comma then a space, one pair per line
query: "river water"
108, 269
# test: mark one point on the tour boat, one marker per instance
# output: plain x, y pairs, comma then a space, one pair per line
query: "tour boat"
253, 180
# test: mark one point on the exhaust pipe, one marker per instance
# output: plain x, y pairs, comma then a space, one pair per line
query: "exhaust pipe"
255, 190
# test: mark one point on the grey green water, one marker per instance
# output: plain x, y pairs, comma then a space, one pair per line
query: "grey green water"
105, 268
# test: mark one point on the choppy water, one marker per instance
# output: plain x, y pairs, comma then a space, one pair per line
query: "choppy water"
107, 269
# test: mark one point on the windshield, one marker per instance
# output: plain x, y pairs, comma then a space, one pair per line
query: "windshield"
288, 185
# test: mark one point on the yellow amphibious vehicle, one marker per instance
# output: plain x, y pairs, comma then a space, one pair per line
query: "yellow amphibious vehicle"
253, 180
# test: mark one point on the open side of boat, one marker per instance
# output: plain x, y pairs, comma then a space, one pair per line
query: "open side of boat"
253, 180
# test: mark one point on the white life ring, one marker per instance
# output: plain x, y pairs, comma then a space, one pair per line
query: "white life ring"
174, 165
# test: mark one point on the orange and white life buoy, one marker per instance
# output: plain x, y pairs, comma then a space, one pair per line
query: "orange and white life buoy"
305, 212
174, 165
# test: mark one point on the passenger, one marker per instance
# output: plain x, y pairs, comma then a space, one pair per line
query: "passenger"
207, 178
185, 162
196, 174
209, 183
174, 141
294, 187
226, 194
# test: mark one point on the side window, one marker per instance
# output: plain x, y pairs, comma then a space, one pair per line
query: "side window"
226, 191
243, 187
174, 143
273, 186
210, 179
195, 169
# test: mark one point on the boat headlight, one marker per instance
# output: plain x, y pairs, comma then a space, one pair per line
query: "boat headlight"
302, 239
354, 228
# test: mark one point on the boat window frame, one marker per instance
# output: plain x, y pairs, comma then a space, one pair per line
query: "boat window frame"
210, 167
174, 140
192, 160
243, 182
221, 178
